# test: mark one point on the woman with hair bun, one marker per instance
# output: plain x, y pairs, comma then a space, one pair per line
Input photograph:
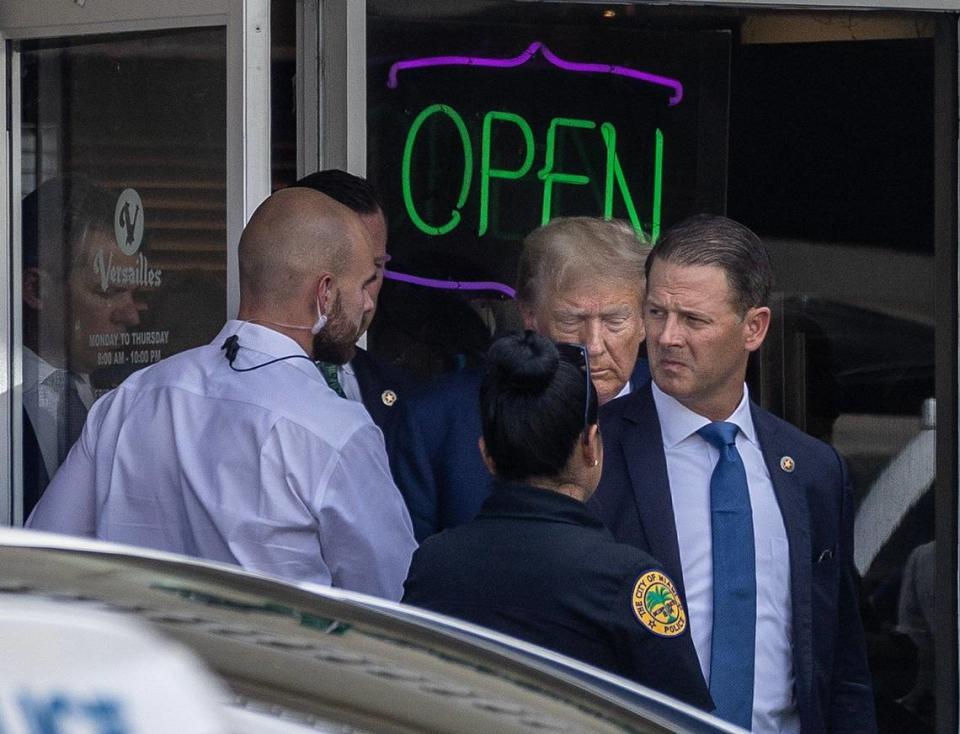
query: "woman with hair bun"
536, 563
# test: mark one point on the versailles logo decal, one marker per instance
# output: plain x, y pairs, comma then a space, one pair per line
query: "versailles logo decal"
657, 604
128, 231
128, 222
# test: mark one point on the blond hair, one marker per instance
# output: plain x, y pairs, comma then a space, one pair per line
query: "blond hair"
571, 249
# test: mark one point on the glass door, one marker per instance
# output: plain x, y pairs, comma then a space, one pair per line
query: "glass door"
129, 184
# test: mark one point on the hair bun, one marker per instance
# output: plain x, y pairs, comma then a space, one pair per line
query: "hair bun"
525, 361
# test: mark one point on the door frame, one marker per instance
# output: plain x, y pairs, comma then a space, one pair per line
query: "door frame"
247, 24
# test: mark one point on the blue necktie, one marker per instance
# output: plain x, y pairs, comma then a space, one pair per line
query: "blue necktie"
734, 580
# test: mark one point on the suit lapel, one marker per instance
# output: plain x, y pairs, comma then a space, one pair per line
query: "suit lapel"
370, 386
365, 378
647, 466
641, 374
791, 497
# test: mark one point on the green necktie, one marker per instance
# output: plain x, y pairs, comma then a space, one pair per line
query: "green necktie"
329, 372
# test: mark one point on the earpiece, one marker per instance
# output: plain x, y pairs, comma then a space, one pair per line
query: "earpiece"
321, 321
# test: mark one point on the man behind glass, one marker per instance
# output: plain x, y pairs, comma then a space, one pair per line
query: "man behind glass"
67, 227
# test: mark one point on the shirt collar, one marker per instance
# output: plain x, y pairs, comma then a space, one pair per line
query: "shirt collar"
678, 422
35, 369
259, 337
268, 342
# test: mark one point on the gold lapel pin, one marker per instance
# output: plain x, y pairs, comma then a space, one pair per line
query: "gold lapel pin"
787, 464
389, 397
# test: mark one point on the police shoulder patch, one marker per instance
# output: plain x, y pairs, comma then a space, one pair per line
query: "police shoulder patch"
656, 603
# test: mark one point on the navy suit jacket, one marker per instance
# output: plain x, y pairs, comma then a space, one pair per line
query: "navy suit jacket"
35, 478
375, 378
833, 688
433, 450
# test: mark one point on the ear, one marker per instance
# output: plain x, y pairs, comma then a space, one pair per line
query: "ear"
592, 449
487, 459
324, 289
755, 324
31, 288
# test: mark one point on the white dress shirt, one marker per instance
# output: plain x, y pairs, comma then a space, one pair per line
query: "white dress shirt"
268, 469
41, 401
349, 383
690, 464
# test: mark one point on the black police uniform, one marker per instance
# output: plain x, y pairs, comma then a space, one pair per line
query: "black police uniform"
540, 566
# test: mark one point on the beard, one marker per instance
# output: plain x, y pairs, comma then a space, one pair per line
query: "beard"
336, 341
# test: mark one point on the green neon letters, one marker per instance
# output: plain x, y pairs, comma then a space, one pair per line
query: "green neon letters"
486, 172
547, 174
464, 181
615, 174
614, 181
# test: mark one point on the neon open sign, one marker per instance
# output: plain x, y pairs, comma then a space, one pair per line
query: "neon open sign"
614, 181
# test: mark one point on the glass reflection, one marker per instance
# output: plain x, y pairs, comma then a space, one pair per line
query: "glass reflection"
76, 300
123, 170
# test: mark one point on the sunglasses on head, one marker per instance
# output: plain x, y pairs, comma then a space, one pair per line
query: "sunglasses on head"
576, 354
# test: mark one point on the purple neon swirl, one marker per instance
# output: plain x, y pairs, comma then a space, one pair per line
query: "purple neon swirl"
460, 61
451, 285
644, 76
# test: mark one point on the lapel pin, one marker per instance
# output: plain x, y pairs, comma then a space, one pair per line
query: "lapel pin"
787, 464
389, 397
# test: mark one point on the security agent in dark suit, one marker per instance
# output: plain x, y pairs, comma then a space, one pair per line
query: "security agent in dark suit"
536, 563
580, 280
379, 386
741, 507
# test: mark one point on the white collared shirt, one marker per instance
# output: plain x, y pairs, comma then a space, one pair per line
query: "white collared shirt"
349, 383
267, 469
690, 464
